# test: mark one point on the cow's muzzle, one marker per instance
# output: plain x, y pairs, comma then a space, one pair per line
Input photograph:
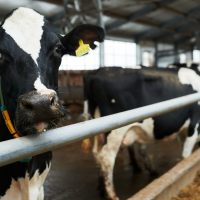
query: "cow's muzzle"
36, 112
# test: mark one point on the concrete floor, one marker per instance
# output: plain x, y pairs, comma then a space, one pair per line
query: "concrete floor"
73, 174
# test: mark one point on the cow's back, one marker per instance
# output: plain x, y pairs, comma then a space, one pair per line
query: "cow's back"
116, 90
124, 89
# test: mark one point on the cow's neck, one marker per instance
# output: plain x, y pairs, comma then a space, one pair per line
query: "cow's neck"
4, 132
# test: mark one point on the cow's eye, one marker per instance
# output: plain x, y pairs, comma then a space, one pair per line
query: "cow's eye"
58, 49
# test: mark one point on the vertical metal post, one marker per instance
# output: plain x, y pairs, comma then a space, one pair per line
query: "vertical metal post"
176, 55
192, 49
156, 55
100, 23
67, 21
138, 53
197, 41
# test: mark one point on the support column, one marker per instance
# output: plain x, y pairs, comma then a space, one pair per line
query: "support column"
176, 55
192, 49
138, 53
100, 23
156, 55
66, 10
197, 40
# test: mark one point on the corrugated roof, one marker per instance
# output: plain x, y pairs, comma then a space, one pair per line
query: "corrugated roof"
153, 20
47, 9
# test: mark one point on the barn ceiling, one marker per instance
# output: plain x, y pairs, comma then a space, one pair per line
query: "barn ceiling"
168, 21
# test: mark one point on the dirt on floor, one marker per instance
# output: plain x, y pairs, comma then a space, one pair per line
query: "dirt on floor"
191, 191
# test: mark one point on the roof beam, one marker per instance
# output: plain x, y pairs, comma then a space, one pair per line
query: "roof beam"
184, 39
147, 33
155, 30
179, 19
161, 5
132, 17
162, 36
135, 16
168, 2
56, 17
193, 11
115, 25
186, 26
171, 22
89, 11
148, 24
57, 2
176, 12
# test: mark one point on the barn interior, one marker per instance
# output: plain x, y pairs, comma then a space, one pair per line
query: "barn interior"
151, 33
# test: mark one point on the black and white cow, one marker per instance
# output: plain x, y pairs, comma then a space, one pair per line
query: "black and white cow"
193, 66
30, 55
113, 89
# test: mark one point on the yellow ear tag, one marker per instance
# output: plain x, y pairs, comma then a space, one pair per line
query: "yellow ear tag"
83, 48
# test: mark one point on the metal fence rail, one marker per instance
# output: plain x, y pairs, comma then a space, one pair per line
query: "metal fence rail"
21, 148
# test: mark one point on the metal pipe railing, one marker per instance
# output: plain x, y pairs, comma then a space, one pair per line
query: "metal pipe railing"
21, 148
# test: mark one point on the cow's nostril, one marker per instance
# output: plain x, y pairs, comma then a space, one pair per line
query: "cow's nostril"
28, 106
51, 101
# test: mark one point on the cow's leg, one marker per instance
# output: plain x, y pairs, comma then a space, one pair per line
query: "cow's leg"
41, 193
191, 139
107, 157
86, 145
146, 160
141, 132
179, 141
95, 151
134, 162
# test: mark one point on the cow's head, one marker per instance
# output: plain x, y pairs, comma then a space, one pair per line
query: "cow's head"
30, 55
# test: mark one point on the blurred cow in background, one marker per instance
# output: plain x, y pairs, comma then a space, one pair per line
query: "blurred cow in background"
113, 89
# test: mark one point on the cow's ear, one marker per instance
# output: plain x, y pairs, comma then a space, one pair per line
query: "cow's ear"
88, 33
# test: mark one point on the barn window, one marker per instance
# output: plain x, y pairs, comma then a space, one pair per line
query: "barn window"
196, 56
182, 58
116, 53
87, 62
121, 54
146, 59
